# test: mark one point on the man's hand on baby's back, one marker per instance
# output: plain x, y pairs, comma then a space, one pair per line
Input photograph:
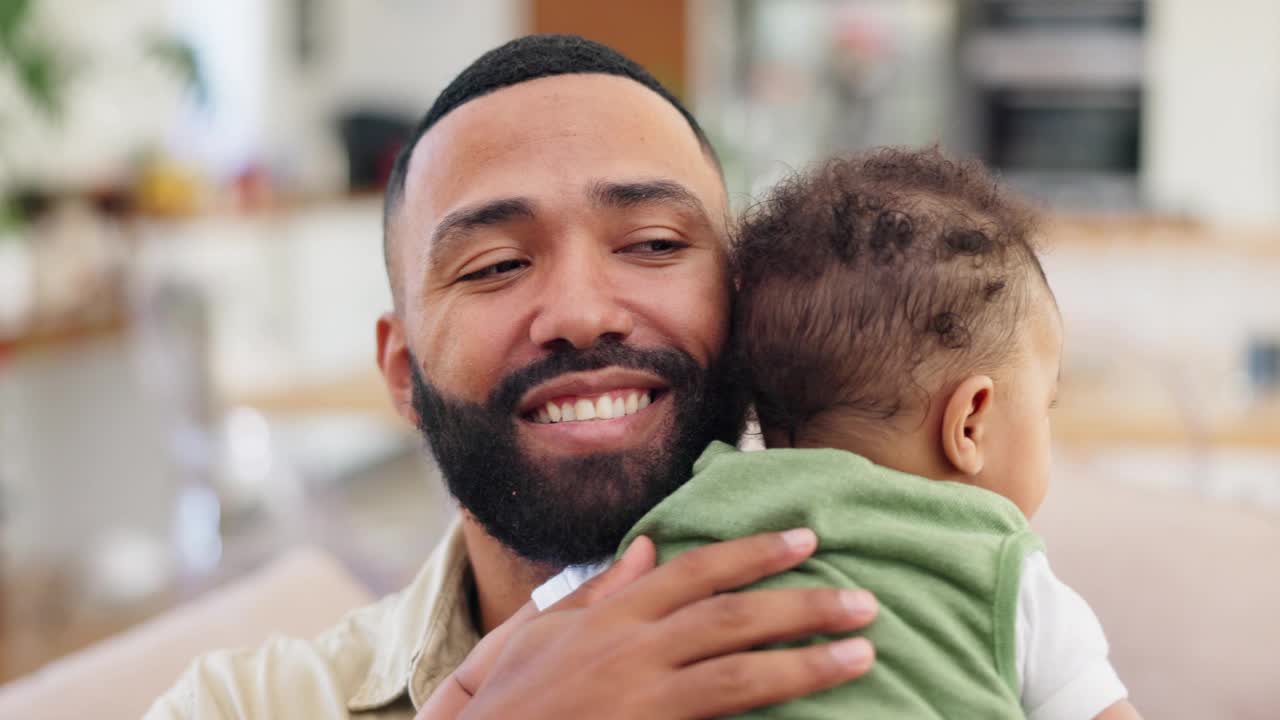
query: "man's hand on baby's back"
451, 697
639, 641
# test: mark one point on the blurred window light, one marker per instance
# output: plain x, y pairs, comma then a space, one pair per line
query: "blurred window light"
230, 39
248, 445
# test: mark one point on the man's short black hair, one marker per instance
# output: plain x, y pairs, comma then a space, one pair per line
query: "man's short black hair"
521, 60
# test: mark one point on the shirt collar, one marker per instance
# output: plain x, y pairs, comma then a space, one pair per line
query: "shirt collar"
425, 634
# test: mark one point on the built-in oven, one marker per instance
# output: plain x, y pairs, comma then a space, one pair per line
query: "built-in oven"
1057, 90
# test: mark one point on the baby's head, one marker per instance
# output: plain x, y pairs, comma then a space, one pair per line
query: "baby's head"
892, 304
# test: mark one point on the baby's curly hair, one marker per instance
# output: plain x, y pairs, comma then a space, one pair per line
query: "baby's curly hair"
871, 277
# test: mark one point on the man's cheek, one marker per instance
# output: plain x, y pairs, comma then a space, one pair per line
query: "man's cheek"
700, 327
709, 318
470, 371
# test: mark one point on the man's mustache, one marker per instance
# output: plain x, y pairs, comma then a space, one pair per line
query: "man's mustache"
676, 367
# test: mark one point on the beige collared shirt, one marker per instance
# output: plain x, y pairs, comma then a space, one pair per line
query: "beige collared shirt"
381, 661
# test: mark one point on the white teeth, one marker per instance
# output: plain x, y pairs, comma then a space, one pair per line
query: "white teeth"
604, 408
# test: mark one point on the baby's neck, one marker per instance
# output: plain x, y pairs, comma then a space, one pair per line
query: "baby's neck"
916, 451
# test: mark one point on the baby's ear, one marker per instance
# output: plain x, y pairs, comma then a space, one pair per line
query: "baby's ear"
965, 422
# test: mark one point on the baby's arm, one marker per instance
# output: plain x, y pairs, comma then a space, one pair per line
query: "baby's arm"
1062, 652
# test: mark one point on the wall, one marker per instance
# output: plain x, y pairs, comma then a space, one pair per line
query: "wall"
392, 54
1213, 113
117, 102
653, 33
266, 106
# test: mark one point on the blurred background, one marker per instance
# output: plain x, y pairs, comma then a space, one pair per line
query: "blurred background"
190, 271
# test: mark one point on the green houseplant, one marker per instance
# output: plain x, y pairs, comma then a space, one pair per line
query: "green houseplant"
39, 72
42, 70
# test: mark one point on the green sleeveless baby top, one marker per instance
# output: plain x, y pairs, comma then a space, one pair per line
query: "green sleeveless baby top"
944, 560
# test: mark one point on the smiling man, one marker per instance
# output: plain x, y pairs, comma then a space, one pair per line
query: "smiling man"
555, 237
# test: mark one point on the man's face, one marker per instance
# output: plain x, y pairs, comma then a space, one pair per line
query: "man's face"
560, 247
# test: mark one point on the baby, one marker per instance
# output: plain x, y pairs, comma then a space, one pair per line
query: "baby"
901, 347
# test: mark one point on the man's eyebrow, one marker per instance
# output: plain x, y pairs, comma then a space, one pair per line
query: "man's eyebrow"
458, 223
624, 195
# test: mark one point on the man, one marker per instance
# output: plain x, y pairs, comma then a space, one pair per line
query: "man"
555, 236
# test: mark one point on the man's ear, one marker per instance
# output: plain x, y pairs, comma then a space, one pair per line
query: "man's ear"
965, 423
394, 360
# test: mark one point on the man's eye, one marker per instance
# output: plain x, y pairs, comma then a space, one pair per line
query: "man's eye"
494, 270
655, 247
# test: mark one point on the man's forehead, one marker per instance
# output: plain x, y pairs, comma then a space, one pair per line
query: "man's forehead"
567, 129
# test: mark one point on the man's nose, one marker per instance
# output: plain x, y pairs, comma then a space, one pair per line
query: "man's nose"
579, 308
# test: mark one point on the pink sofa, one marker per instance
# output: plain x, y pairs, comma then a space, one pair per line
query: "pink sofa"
301, 593
1188, 591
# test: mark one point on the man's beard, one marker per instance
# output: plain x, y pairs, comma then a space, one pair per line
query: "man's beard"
567, 510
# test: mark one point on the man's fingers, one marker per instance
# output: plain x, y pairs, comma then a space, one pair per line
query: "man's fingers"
475, 669
446, 703
638, 559
731, 622
710, 569
492, 643
736, 683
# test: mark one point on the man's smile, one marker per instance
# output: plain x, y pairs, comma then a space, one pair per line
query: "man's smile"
591, 408
598, 411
